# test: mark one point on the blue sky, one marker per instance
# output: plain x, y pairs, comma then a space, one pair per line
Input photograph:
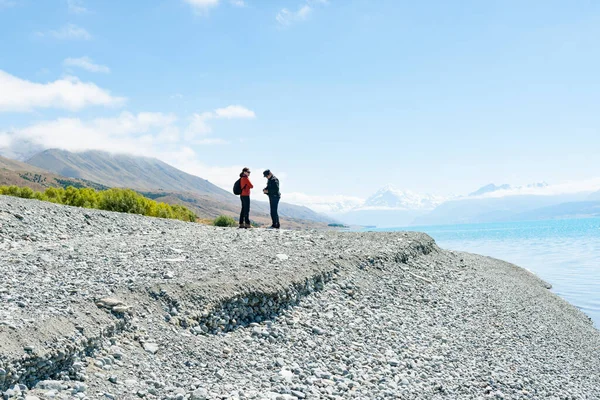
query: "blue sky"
336, 97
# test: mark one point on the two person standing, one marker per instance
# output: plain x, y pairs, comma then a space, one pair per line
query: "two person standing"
272, 190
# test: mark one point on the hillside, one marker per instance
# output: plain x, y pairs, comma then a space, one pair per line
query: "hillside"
578, 209
13, 172
491, 209
119, 170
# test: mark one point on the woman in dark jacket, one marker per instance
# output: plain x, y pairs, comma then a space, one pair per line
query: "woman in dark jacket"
246, 185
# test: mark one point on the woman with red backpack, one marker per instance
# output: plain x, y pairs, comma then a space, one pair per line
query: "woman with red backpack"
245, 185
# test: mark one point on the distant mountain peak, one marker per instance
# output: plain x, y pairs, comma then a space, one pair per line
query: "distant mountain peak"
490, 188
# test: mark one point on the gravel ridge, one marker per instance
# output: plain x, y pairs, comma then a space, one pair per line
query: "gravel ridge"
97, 304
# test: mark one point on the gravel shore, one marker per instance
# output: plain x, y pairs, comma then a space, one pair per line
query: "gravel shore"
104, 305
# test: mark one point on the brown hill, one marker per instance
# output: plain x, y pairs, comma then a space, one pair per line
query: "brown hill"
13, 172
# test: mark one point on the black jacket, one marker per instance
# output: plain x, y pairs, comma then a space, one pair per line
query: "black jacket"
273, 187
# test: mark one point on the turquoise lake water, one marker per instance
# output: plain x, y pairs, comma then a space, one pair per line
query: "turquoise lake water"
565, 253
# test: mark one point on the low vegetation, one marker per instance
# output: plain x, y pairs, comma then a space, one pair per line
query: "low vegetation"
224, 220
120, 200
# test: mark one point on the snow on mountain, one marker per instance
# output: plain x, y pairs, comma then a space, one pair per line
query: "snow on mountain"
390, 197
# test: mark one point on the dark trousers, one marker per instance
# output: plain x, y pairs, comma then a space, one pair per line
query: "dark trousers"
245, 214
274, 203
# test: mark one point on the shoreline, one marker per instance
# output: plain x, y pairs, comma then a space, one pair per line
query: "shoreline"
203, 312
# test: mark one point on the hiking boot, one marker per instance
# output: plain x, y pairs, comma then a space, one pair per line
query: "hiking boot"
242, 226
248, 226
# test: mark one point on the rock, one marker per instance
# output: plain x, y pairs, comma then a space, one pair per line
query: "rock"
151, 348
50, 385
121, 309
318, 331
109, 302
282, 257
287, 375
298, 394
199, 394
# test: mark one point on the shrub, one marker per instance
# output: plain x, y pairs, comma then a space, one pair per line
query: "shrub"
224, 220
123, 200
120, 200
26, 193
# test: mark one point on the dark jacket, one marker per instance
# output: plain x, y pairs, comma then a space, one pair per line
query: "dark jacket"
273, 187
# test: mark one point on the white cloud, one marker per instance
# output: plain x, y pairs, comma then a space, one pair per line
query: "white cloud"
238, 3
87, 64
142, 134
198, 126
234, 111
202, 6
199, 122
136, 134
68, 93
76, 7
5, 140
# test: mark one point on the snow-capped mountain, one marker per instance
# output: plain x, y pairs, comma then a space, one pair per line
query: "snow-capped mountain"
390, 197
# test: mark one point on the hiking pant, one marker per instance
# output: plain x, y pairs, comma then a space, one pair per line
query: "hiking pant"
245, 214
274, 203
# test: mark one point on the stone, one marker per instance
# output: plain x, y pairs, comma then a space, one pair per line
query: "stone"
50, 385
151, 348
199, 394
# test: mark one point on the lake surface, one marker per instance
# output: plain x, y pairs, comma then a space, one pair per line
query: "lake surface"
565, 253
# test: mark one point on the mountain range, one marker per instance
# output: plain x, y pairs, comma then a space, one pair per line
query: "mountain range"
149, 176
390, 206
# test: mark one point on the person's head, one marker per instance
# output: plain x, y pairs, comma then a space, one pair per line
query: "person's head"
267, 174
245, 172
